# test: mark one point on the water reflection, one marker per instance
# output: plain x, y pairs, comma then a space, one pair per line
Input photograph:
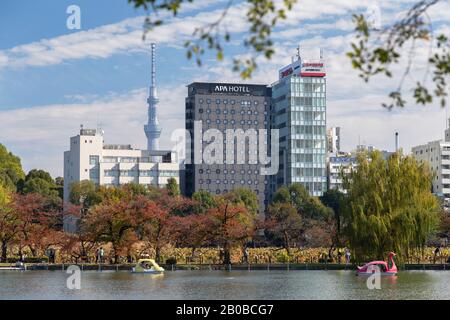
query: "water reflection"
224, 285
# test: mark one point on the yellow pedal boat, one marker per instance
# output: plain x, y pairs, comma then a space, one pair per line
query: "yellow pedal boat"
147, 266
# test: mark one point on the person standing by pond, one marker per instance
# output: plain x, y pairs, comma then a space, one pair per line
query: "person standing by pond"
347, 256
100, 255
437, 253
245, 256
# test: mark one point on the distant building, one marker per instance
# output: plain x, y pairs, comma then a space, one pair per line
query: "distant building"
225, 106
437, 154
89, 158
334, 140
299, 112
338, 167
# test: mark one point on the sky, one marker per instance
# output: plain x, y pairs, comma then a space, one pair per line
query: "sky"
52, 79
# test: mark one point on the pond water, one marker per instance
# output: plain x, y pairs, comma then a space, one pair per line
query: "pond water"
175, 285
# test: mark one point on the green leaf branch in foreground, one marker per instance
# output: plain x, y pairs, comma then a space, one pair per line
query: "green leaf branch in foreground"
376, 51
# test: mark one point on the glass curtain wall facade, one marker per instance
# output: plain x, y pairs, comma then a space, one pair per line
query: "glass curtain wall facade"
299, 111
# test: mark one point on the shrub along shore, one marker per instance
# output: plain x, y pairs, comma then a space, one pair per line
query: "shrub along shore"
257, 258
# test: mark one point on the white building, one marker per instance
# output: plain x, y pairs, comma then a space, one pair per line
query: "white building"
437, 154
334, 140
89, 158
299, 112
112, 165
338, 167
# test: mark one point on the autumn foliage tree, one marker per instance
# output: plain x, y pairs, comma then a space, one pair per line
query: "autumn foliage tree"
154, 224
192, 231
232, 225
110, 222
38, 222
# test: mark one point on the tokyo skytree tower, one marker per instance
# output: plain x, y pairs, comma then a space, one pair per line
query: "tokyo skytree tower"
152, 128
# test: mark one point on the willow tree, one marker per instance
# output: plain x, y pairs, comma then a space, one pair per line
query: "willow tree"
390, 206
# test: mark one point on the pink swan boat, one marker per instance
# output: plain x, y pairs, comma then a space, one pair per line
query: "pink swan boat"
381, 266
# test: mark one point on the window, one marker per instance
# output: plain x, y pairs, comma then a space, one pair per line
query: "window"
93, 160
93, 174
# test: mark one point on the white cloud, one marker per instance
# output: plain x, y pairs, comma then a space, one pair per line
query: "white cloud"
104, 41
39, 135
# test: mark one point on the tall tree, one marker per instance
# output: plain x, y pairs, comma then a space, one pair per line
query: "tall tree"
390, 206
203, 200
231, 225
284, 223
334, 199
154, 224
39, 221
172, 187
11, 172
307, 206
245, 197
110, 222
192, 231
84, 193
9, 222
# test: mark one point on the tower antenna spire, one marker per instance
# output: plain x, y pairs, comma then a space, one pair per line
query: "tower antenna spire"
153, 76
152, 128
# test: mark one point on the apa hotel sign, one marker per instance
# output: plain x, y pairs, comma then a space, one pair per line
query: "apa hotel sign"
231, 88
